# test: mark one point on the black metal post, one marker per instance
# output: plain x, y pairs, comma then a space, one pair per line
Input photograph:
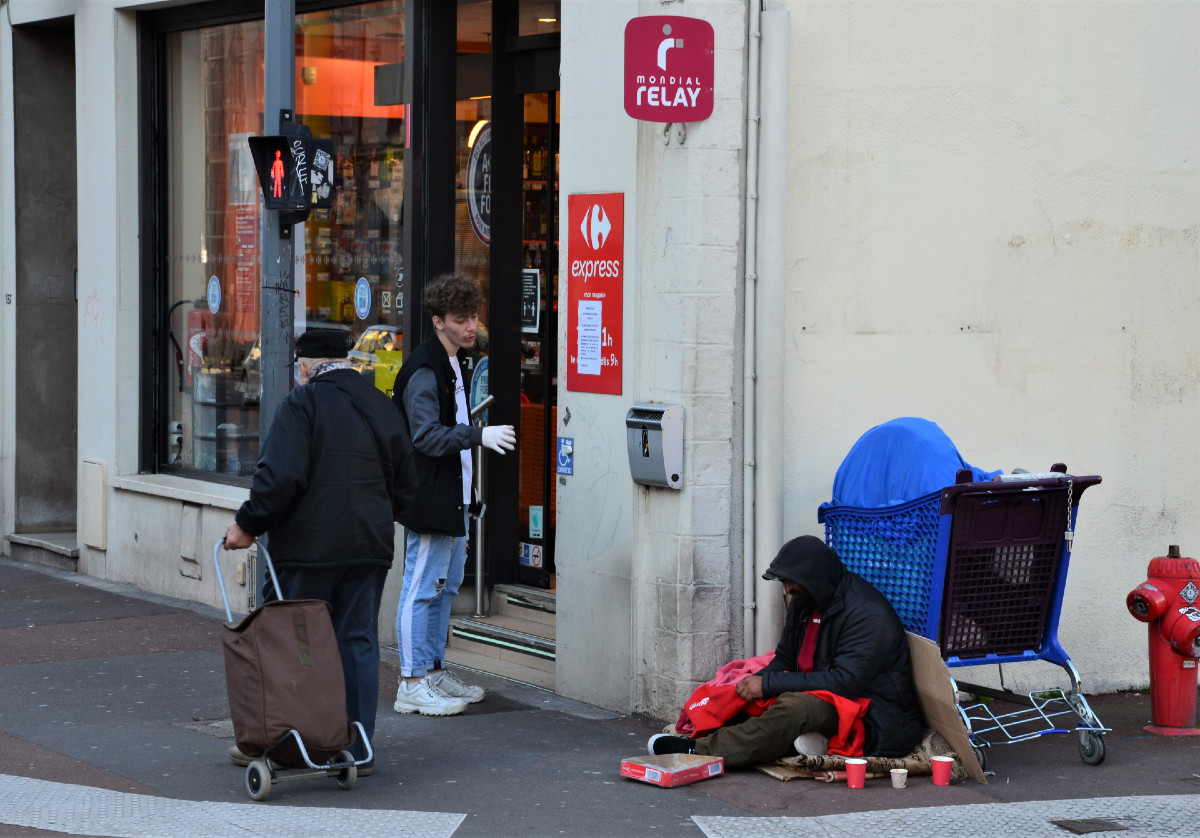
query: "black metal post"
277, 310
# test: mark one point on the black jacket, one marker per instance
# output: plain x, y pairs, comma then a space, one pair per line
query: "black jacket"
862, 650
424, 393
334, 473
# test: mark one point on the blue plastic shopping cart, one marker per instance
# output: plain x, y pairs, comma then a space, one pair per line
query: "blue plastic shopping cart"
980, 568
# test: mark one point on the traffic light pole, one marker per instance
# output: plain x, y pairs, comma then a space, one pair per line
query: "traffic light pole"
277, 310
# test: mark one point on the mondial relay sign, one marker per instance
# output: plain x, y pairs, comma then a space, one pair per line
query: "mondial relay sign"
669, 69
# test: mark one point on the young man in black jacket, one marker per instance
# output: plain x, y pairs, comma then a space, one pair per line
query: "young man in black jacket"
430, 391
840, 636
334, 473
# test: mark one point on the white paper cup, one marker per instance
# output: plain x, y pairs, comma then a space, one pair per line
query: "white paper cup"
899, 778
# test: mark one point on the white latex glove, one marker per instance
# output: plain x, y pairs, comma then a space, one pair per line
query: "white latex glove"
499, 438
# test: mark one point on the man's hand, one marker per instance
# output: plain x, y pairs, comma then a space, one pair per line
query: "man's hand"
237, 538
749, 688
499, 438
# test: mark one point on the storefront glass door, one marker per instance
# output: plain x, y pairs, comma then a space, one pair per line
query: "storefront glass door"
539, 331
525, 352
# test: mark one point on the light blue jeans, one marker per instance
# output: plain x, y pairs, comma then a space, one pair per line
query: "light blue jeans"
433, 571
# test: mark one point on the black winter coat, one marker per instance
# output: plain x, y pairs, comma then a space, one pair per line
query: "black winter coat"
334, 474
862, 650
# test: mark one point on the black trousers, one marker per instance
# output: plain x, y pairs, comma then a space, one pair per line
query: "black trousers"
354, 592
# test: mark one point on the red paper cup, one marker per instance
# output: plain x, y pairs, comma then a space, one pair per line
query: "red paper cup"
941, 770
856, 773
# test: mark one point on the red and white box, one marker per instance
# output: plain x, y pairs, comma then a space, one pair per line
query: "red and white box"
671, 770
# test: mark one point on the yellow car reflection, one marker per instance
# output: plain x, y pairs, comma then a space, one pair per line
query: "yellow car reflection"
377, 354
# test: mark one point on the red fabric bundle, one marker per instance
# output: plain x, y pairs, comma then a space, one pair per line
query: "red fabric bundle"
714, 703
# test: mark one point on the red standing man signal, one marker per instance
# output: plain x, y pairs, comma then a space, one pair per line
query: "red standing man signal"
277, 177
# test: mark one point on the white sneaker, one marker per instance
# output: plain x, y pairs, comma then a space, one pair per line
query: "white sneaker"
811, 744
422, 698
448, 684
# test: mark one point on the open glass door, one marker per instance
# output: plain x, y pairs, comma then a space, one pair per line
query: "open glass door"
514, 260
539, 332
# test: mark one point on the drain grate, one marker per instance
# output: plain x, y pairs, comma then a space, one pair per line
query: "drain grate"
1087, 826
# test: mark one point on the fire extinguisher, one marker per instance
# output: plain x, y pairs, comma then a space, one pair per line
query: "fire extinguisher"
197, 344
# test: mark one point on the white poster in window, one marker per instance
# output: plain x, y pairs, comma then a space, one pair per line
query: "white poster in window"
243, 181
588, 349
531, 300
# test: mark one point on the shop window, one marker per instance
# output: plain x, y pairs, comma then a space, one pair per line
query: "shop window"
209, 83
539, 17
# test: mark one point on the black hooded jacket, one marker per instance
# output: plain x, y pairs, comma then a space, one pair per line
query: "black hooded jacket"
335, 472
861, 652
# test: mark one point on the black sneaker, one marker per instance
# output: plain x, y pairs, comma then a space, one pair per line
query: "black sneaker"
665, 743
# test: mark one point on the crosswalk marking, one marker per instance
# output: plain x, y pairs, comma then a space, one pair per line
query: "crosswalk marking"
83, 810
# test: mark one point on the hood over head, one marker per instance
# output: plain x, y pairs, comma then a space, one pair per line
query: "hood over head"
812, 565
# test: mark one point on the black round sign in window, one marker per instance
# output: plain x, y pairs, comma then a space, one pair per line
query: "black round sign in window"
479, 184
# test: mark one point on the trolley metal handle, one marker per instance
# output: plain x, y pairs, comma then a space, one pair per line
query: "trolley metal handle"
477, 523
221, 581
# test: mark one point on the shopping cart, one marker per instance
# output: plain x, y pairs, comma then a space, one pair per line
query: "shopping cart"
980, 568
287, 696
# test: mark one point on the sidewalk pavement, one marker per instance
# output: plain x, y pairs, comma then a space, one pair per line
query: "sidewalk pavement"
114, 722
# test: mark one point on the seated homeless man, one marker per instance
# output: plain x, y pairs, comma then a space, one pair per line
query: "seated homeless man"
841, 638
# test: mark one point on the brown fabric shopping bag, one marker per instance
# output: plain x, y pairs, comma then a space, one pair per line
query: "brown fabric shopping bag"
283, 671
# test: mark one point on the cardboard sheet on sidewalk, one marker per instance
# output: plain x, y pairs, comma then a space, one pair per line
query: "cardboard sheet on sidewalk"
671, 770
939, 702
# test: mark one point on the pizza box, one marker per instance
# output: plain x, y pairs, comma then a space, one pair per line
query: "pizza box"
671, 770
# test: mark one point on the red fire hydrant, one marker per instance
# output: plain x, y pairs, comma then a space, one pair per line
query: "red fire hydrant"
1167, 602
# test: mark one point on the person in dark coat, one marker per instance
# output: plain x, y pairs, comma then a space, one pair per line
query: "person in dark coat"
840, 636
334, 474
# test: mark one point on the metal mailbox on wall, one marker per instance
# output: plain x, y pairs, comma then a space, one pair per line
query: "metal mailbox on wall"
654, 433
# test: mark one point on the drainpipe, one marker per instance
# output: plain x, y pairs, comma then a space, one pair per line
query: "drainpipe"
772, 322
766, 178
749, 339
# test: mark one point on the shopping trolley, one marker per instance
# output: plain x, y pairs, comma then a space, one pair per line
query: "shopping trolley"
287, 696
980, 568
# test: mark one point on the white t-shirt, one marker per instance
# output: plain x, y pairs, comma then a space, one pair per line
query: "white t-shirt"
462, 417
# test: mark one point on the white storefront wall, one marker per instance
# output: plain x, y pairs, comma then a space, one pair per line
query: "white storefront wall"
992, 221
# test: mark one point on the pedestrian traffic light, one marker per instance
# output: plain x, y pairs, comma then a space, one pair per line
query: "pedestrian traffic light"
295, 171
282, 168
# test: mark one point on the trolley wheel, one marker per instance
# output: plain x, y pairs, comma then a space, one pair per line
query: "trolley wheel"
1091, 747
348, 776
258, 780
980, 756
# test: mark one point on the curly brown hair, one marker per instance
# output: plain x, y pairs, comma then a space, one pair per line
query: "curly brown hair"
452, 294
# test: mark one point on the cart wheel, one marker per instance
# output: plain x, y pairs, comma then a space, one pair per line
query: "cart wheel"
348, 776
258, 780
1091, 747
980, 756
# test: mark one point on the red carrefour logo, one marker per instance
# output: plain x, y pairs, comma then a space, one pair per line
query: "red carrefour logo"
669, 68
595, 227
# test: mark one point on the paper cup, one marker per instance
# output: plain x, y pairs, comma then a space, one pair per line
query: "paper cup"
941, 770
856, 773
899, 778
